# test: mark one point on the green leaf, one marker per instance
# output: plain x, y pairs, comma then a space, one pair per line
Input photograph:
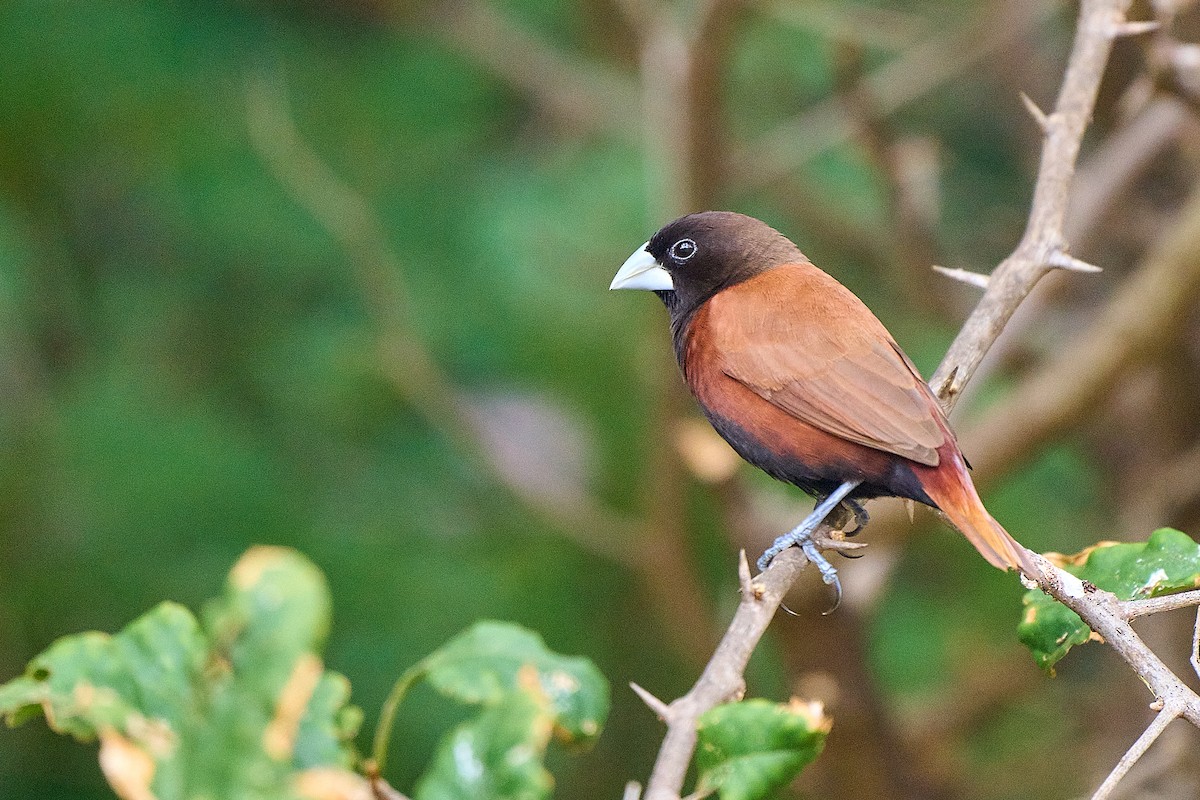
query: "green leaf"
92, 681
747, 750
1168, 562
490, 660
496, 756
240, 708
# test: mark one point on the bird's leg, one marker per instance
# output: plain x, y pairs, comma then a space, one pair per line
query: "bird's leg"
802, 535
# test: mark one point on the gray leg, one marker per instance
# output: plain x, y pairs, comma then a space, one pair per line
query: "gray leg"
802, 535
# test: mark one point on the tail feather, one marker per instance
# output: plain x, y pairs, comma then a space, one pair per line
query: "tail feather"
990, 539
949, 485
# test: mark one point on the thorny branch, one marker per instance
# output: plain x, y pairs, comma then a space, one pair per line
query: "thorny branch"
1042, 248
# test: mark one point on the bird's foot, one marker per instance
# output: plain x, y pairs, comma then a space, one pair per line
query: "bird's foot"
804, 540
849, 517
802, 535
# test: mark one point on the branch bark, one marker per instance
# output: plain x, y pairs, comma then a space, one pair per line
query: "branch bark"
722, 679
1043, 246
1143, 317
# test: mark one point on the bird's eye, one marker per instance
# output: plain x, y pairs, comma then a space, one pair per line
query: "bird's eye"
683, 250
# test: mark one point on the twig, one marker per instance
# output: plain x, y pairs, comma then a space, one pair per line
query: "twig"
722, 679
1106, 615
1132, 609
1143, 318
1135, 752
586, 95
407, 365
1116, 162
908, 174
1043, 242
911, 75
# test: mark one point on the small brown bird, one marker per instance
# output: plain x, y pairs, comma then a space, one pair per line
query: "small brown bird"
804, 382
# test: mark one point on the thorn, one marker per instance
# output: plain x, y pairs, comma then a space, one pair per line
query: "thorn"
660, 709
948, 387
633, 791
911, 507
1062, 260
1158, 704
744, 574
1127, 28
1038, 115
965, 276
747, 586
954, 385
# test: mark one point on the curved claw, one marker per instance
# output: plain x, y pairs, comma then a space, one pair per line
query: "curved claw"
802, 535
827, 570
837, 597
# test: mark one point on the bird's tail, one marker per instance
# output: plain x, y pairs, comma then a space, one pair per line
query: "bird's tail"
949, 485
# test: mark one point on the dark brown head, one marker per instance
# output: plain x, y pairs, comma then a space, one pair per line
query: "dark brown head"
691, 259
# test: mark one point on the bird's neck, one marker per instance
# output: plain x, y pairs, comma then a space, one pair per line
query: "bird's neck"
681, 314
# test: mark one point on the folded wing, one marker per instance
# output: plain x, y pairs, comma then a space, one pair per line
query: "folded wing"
852, 381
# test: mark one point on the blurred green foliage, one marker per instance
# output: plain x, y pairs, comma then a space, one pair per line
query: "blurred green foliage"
187, 364
241, 707
237, 707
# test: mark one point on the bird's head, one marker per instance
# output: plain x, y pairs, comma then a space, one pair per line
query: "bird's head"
691, 259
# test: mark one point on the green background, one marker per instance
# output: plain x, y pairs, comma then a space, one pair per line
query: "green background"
189, 361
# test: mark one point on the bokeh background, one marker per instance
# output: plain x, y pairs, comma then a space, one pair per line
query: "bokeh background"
332, 274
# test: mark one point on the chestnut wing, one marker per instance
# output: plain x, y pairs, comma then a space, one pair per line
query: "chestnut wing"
802, 341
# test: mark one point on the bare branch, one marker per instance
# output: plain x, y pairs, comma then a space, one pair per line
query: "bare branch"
1132, 609
911, 75
1012, 281
1143, 317
587, 95
407, 365
722, 678
1042, 248
1105, 614
1135, 752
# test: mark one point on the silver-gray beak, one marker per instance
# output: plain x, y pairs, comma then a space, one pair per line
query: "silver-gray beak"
642, 271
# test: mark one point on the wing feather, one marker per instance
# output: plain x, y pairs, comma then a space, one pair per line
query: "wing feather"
814, 350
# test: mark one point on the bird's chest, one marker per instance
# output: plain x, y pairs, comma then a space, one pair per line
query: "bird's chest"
777, 442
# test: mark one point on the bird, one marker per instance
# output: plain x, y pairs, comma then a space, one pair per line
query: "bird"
804, 382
